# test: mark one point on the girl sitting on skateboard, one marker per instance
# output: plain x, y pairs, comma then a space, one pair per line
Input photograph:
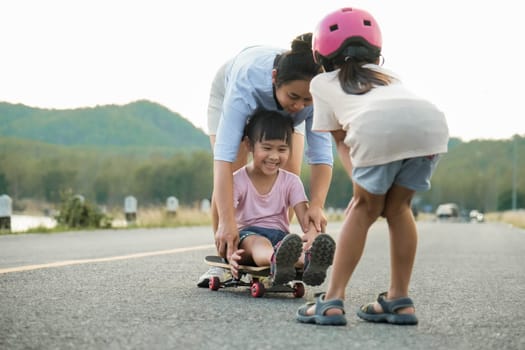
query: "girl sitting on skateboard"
262, 193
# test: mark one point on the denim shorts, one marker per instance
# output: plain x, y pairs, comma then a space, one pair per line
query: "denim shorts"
273, 235
412, 173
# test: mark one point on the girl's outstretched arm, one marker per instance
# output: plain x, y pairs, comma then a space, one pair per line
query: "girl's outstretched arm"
319, 185
310, 234
236, 257
343, 150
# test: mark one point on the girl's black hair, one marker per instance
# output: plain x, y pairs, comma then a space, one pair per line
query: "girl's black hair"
353, 77
269, 125
297, 63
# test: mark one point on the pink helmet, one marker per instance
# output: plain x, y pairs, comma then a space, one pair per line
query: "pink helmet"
342, 28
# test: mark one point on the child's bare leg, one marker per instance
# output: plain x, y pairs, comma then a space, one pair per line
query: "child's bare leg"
403, 242
257, 251
364, 211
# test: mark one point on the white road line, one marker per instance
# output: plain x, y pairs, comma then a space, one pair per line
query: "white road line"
96, 260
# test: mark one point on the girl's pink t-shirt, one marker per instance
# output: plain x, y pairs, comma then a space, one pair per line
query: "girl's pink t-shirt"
268, 210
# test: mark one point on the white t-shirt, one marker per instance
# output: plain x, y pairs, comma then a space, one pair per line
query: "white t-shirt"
268, 210
386, 124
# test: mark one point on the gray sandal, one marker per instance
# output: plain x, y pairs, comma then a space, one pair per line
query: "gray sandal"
389, 314
319, 316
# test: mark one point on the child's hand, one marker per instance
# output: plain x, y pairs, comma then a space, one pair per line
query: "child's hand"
309, 236
234, 262
314, 216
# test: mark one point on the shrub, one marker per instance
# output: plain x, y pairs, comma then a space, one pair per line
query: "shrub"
76, 212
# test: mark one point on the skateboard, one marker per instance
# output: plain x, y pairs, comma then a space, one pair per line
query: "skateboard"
257, 278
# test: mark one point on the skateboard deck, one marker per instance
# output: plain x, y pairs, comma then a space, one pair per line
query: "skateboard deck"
217, 261
257, 278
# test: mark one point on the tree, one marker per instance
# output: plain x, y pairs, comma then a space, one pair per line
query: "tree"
56, 181
101, 189
3, 184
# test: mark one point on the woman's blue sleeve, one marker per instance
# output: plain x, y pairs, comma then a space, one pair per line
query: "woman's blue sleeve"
319, 145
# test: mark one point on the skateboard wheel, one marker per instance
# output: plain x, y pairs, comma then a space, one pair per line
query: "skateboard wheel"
214, 283
257, 289
298, 290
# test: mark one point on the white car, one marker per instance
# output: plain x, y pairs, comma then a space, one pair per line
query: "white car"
476, 216
447, 211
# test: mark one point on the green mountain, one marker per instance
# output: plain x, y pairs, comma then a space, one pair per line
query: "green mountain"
140, 125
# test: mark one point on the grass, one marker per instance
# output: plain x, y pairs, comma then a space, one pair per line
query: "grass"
155, 217
514, 218
146, 218
159, 217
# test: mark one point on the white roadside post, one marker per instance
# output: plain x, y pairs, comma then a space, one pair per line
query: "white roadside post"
6, 210
130, 209
205, 205
172, 205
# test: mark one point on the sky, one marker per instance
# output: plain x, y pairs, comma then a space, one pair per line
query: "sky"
464, 56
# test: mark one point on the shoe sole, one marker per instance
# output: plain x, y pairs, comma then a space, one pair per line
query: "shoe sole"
321, 257
335, 320
285, 258
398, 319
205, 283
320, 317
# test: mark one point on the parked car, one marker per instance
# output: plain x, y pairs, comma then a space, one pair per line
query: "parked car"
476, 216
447, 211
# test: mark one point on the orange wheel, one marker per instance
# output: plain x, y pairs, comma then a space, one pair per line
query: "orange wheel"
215, 283
257, 289
298, 290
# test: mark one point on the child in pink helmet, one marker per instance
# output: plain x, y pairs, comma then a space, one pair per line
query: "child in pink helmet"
389, 141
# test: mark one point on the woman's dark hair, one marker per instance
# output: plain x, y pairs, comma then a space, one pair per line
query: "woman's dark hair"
269, 125
355, 79
297, 63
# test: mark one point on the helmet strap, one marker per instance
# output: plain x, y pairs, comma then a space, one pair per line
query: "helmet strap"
359, 53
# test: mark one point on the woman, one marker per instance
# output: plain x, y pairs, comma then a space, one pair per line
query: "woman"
273, 79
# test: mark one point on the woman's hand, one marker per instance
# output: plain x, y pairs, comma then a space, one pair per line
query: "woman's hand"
227, 239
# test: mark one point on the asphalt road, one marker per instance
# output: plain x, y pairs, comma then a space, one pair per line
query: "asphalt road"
135, 289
